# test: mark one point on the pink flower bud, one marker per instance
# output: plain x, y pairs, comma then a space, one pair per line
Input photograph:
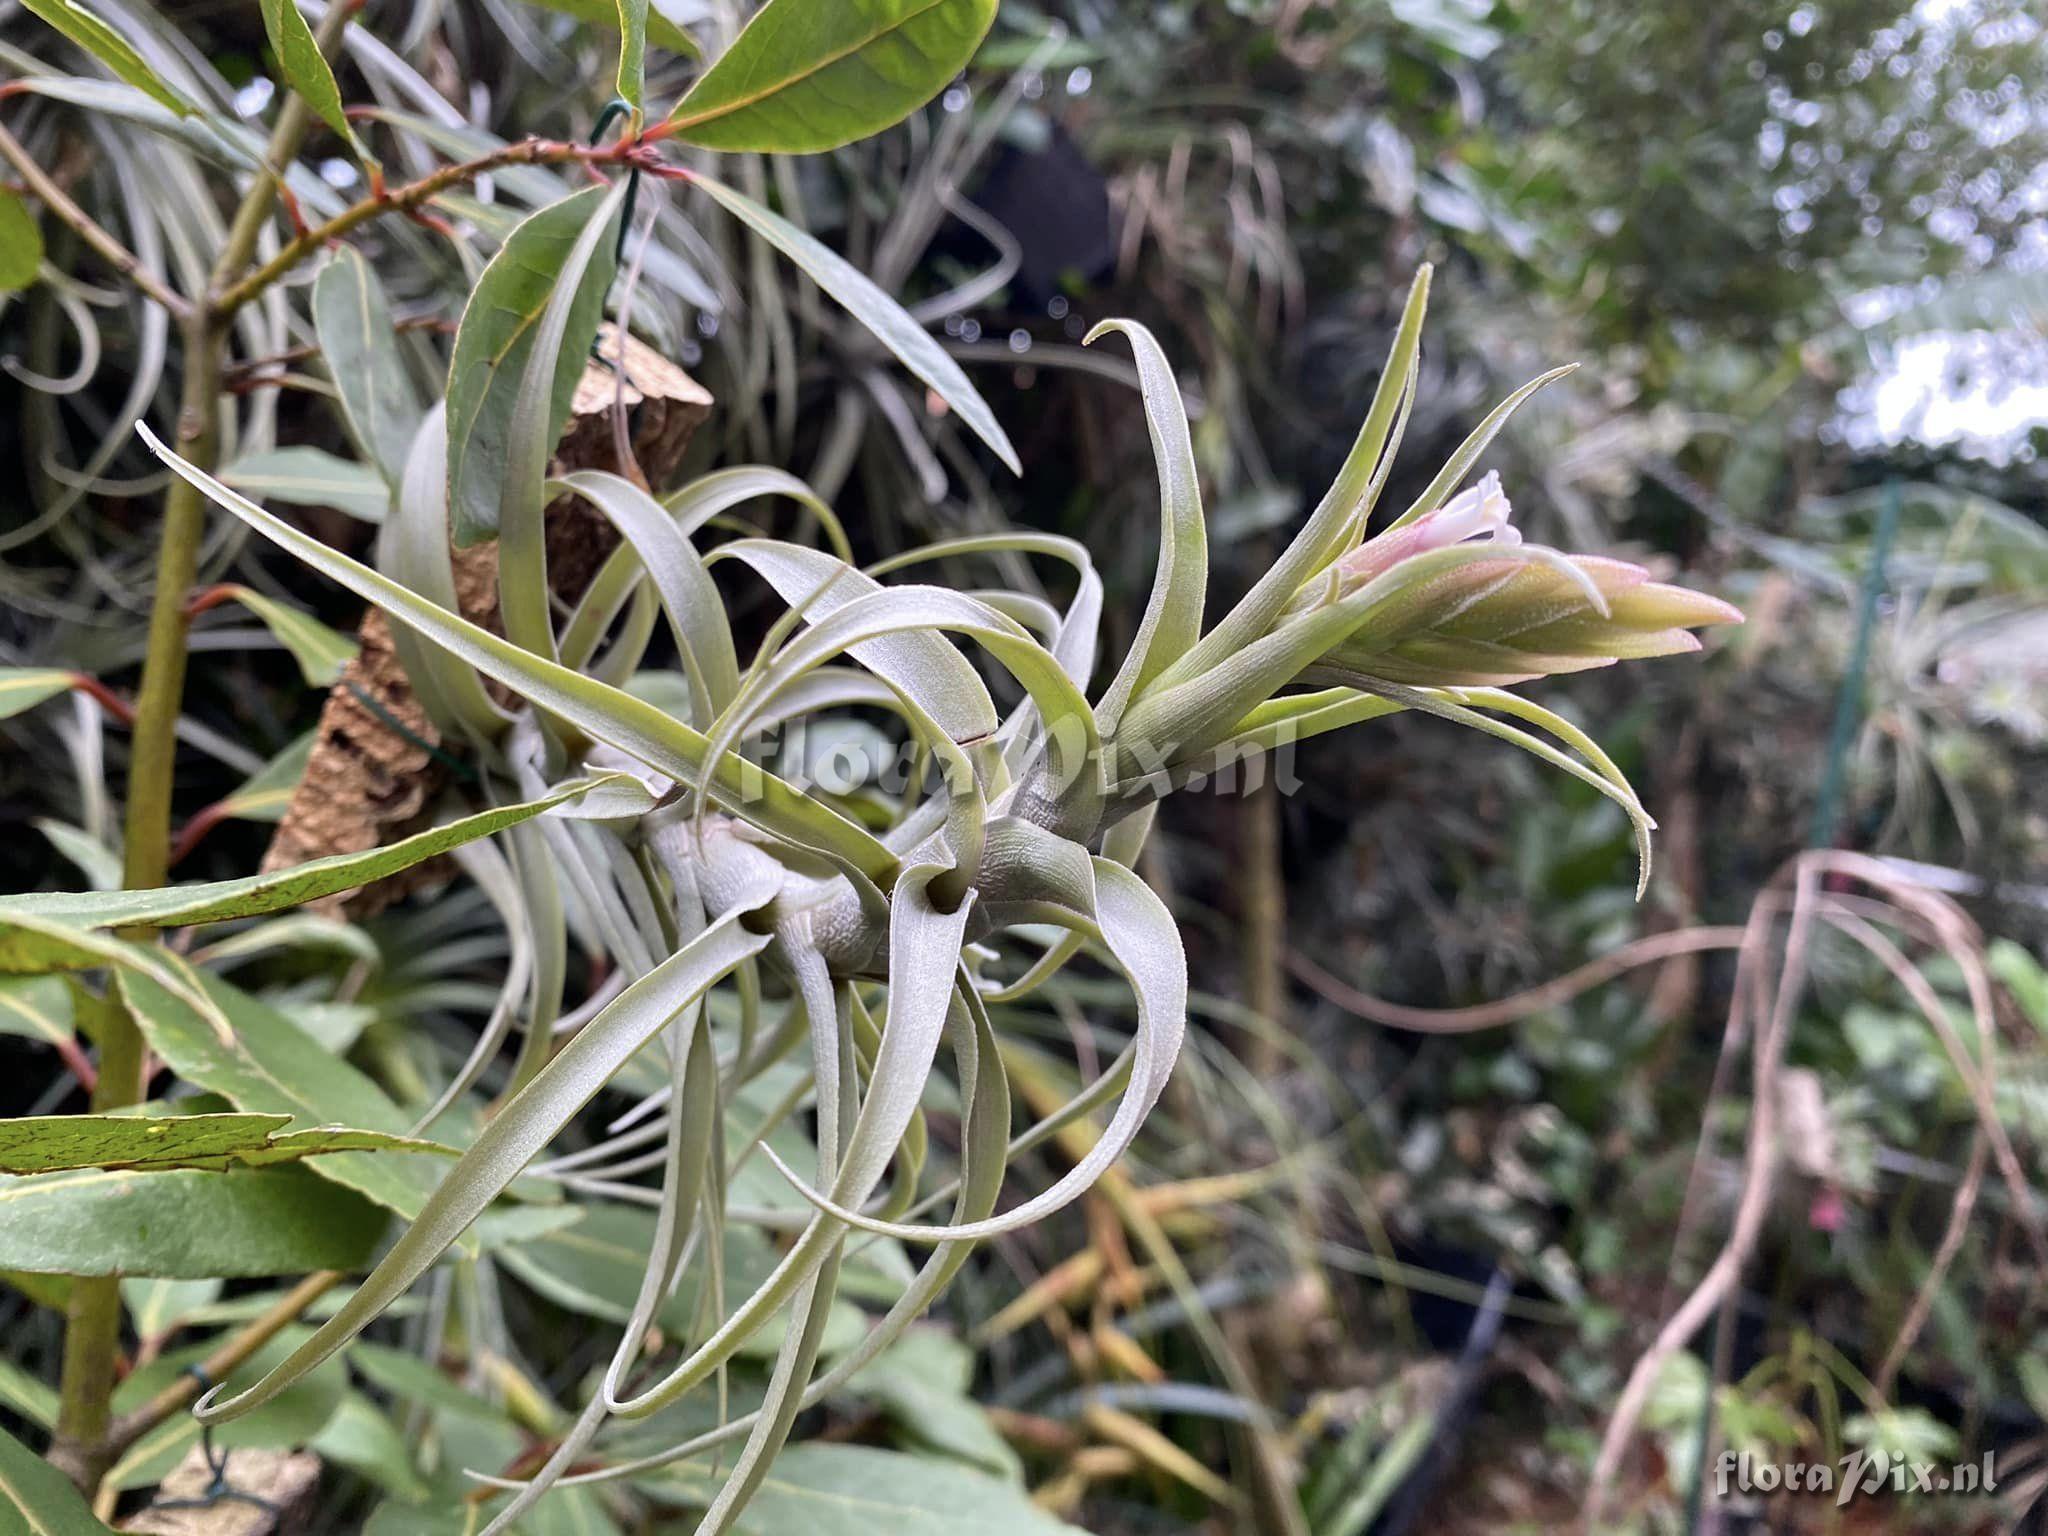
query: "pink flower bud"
1491, 622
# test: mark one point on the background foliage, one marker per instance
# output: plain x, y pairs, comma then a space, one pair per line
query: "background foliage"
1351, 1276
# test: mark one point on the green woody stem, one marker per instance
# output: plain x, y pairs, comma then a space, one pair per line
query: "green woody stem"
93, 1318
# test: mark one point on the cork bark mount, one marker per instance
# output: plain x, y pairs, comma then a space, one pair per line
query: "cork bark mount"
377, 763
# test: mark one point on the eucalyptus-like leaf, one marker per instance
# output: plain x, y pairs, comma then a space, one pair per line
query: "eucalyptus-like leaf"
151, 1143
267, 1065
25, 687
804, 77
36, 1008
100, 864
352, 320
320, 652
552, 364
495, 340
38, 1500
215, 138
21, 243
267, 793
254, 895
910, 343
301, 476
632, 16
110, 48
660, 31
305, 68
184, 1224
847, 1490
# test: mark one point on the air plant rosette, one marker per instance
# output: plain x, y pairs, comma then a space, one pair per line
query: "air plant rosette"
881, 936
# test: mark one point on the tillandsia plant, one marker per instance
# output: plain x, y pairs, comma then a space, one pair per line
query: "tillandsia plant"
787, 948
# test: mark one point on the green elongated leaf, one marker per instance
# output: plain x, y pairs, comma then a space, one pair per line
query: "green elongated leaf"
703, 498
1298, 716
496, 338
661, 32
53, 1143
1173, 613
847, 1490
319, 651
1603, 774
1351, 494
363, 1439
893, 613
34, 1399
38, 1007
268, 1066
21, 243
110, 48
214, 137
632, 76
919, 660
178, 906
25, 687
609, 714
38, 1500
804, 77
526, 1124
538, 406
852, 290
923, 1382
100, 864
413, 551
409, 1379
312, 477
267, 793
352, 320
184, 1225
305, 68
31, 944
158, 1308
593, 1267
985, 1133
1145, 944
696, 612
1460, 463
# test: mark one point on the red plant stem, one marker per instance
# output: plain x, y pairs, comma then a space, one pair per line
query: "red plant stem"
104, 696
211, 597
203, 821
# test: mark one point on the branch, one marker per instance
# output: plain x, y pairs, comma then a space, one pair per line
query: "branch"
117, 255
223, 1362
411, 197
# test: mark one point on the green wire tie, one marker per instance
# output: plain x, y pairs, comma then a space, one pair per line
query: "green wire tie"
613, 108
399, 728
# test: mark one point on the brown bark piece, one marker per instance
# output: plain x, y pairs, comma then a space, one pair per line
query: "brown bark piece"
375, 768
285, 1481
